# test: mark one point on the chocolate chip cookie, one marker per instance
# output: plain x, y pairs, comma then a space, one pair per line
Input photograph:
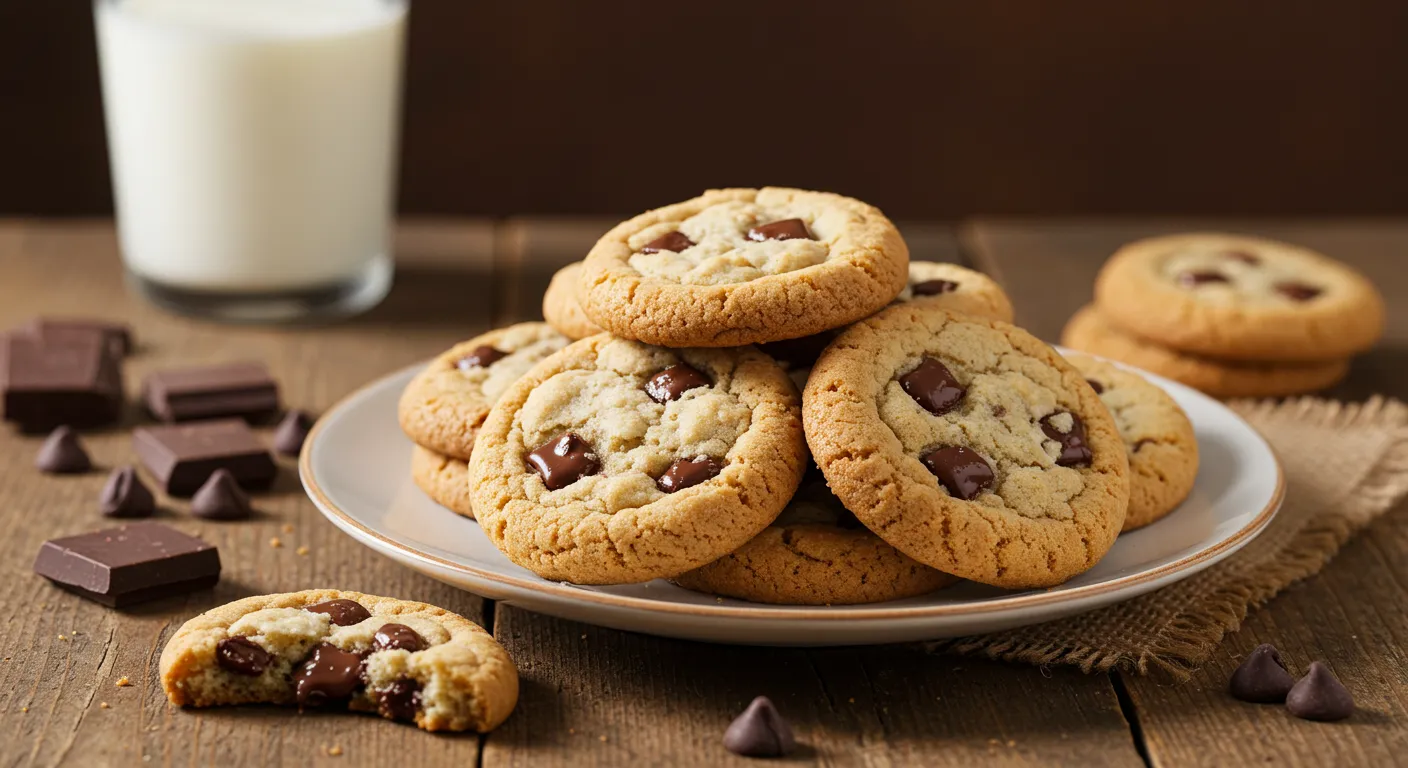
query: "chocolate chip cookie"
1163, 451
968, 445
561, 308
743, 266
615, 462
443, 478
957, 289
324, 648
444, 404
1240, 298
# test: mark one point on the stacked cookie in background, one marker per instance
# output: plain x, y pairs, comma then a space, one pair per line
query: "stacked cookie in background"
1232, 316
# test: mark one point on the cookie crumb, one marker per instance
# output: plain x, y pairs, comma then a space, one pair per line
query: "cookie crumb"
288, 528
62, 636
851, 700
302, 550
1011, 742
123, 682
335, 751
104, 705
601, 738
24, 709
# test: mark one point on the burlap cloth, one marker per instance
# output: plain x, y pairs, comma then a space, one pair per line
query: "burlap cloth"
1345, 465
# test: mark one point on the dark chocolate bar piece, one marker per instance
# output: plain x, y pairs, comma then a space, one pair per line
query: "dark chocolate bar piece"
129, 564
236, 389
118, 336
183, 456
76, 382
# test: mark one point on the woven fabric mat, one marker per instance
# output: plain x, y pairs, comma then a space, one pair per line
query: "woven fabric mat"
1345, 465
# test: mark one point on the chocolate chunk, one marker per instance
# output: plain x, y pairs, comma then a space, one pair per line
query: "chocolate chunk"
1319, 696
237, 389
182, 457
343, 612
1075, 451
563, 460
221, 499
800, 352
241, 656
786, 229
43, 385
1298, 291
292, 431
1242, 256
480, 357
675, 241
125, 495
674, 381
1194, 279
933, 386
62, 454
116, 336
933, 287
329, 675
962, 472
397, 637
1097, 386
1261, 678
128, 564
399, 701
684, 473
760, 732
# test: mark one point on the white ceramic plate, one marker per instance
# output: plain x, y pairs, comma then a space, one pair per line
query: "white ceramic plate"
356, 467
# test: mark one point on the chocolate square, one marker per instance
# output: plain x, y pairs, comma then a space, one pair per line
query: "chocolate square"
235, 389
129, 564
183, 456
118, 336
75, 382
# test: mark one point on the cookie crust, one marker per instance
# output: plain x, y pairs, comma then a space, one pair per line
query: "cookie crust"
443, 478
562, 310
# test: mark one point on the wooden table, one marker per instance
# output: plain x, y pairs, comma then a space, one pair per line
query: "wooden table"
602, 697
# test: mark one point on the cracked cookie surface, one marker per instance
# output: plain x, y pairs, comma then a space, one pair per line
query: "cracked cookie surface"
562, 310
443, 478
956, 289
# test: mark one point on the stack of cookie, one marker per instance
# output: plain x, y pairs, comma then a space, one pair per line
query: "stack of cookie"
1232, 316
767, 400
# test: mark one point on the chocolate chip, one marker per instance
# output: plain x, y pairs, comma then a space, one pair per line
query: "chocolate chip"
330, 674
1097, 386
563, 460
221, 498
1319, 696
684, 473
933, 386
399, 701
675, 241
292, 431
1242, 256
343, 612
1261, 678
962, 472
241, 656
393, 637
674, 381
62, 454
125, 495
1075, 451
1298, 291
480, 357
760, 732
786, 229
182, 457
933, 287
1197, 278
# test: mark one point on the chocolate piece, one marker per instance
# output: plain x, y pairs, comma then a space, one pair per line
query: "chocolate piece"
292, 431
933, 287
241, 656
674, 381
343, 612
62, 454
675, 241
760, 732
399, 701
786, 229
393, 637
563, 460
44, 385
221, 499
480, 357
962, 472
1197, 278
182, 457
1242, 256
236, 389
1097, 386
1298, 291
116, 336
329, 675
800, 352
1261, 678
130, 563
684, 473
125, 495
933, 386
1319, 696
1075, 451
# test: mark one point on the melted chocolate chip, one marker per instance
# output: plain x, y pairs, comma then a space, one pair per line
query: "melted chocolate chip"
675, 241
1097, 386
674, 381
933, 386
399, 701
563, 460
330, 674
393, 637
1075, 451
933, 287
241, 656
1243, 256
962, 472
1262, 677
480, 357
1197, 278
1298, 291
342, 611
684, 473
786, 229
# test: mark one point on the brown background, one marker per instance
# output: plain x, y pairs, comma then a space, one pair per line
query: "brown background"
931, 110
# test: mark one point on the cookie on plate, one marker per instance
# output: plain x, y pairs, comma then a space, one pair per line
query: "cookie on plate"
444, 404
969, 445
614, 462
957, 289
403, 660
561, 308
1089, 331
1242, 298
443, 478
1163, 450
743, 266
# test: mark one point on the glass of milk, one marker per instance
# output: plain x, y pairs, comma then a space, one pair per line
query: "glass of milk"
253, 151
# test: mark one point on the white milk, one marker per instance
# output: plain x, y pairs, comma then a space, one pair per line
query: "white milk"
252, 141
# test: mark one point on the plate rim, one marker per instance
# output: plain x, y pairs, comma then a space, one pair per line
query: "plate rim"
1035, 599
